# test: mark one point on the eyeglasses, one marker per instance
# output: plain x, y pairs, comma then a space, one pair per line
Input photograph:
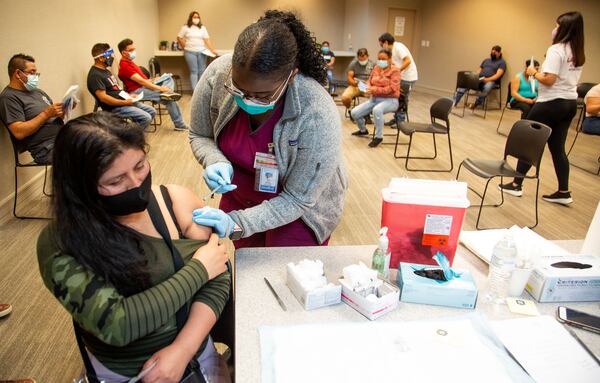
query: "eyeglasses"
107, 53
32, 72
232, 89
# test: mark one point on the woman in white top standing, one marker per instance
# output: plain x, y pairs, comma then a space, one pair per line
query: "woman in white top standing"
556, 104
195, 41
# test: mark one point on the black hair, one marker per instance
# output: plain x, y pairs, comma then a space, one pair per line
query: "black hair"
387, 37
388, 52
570, 30
497, 48
362, 51
277, 43
325, 42
84, 149
18, 61
124, 44
191, 16
528, 62
99, 48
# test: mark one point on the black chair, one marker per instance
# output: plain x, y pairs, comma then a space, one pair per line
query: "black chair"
157, 121
355, 102
402, 107
526, 141
582, 90
154, 67
19, 164
506, 106
470, 81
579, 129
439, 111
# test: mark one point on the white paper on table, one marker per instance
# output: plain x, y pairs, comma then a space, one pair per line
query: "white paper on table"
546, 350
69, 100
460, 350
482, 242
126, 96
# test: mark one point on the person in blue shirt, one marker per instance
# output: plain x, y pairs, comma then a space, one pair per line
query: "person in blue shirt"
329, 58
523, 96
490, 72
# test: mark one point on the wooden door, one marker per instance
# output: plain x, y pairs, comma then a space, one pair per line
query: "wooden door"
401, 24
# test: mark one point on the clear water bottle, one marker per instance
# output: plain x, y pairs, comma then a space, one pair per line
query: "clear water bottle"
502, 265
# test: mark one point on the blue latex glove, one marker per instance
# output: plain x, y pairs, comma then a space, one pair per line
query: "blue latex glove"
219, 174
220, 221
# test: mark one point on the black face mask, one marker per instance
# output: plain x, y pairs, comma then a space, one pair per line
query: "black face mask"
493, 57
109, 61
131, 201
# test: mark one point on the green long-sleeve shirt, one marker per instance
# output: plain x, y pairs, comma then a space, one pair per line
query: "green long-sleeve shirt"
123, 332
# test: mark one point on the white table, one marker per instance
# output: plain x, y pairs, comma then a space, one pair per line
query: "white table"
256, 305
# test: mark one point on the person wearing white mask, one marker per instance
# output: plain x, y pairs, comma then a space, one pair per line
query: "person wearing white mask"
384, 88
556, 104
359, 70
28, 112
137, 82
194, 39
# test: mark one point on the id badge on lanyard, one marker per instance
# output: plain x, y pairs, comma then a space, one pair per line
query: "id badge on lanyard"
267, 174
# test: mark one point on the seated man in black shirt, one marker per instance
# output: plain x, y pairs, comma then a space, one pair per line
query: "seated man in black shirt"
28, 112
490, 72
108, 93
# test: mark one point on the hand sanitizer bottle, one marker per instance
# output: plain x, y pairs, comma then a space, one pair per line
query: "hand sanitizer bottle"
382, 255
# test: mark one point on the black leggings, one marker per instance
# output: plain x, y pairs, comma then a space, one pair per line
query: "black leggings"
524, 107
557, 114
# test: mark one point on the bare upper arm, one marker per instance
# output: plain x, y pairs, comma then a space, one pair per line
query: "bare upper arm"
137, 78
184, 202
514, 85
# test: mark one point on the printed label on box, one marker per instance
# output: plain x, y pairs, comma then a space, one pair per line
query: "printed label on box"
437, 230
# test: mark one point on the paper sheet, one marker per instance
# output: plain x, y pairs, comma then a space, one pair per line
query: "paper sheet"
207, 52
546, 350
163, 77
482, 242
69, 100
126, 96
404, 352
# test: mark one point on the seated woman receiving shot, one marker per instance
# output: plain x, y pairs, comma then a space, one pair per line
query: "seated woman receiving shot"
143, 283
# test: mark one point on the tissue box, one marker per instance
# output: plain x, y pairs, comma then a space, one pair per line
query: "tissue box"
460, 292
558, 279
388, 297
320, 297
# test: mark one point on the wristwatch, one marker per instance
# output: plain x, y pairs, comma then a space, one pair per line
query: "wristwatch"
236, 233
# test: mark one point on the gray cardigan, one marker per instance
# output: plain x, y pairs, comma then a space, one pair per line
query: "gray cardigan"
308, 149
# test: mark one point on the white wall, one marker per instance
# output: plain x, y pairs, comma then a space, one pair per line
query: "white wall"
60, 36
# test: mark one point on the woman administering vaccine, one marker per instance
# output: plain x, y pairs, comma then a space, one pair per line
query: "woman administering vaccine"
263, 110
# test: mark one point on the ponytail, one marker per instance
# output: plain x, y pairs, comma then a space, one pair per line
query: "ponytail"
277, 43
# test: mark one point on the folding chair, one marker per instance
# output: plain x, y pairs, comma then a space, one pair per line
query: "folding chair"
154, 68
506, 106
579, 129
470, 81
19, 164
526, 142
439, 111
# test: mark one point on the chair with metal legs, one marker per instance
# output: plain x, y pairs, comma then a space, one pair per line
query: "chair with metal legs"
526, 142
19, 164
579, 129
402, 108
439, 112
506, 106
